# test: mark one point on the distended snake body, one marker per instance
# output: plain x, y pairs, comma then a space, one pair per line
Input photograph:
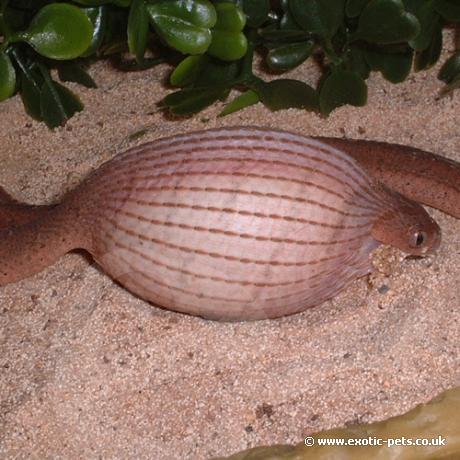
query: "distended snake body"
238, 223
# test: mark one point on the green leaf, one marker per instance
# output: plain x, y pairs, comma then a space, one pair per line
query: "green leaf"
98, 18
284, 35
375, 58
386, 21
182, 36
357, 61
321, 17
92, 2
342, 87
30, 94
289, 56
122, 3
200, 13
59, 31
228, 41
451, 68
193, 100
31, 81
183, 24
287, 21
57, 104
429, 56
214, 72
229, 17
187, 71
242, 101
413, 5
138, 27
448, 9
429, 22
228, 46
286, 93
205, 71
256, 11
395, 67
72, 71
353, 8
7, 77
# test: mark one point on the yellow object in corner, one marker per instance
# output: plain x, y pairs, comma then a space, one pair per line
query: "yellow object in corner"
437, 423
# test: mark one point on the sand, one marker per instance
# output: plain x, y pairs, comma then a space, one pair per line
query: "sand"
88, 370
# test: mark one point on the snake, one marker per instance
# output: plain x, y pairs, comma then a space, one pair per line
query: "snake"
238, 223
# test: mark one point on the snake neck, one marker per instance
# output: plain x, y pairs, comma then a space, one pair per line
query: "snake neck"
34, 237
418, 175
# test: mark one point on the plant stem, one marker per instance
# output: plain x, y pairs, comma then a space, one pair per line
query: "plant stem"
330, 51
247, 77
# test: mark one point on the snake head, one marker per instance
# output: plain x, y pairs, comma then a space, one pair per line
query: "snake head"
406, 225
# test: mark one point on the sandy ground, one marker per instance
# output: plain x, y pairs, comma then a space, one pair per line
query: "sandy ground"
87, 370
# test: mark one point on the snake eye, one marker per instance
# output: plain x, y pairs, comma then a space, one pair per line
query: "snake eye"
418, 239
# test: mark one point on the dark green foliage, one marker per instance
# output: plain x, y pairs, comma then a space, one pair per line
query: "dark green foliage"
7, 77
212, 43
73, 71
450, 72
288, 56
451, 68
395, 66
430, 55
320, 17
242, 101
138, 27
448, 9
284, 93
385, 22
98, 18
57, 103
342, 87
353, 8
256, 11
31, 84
